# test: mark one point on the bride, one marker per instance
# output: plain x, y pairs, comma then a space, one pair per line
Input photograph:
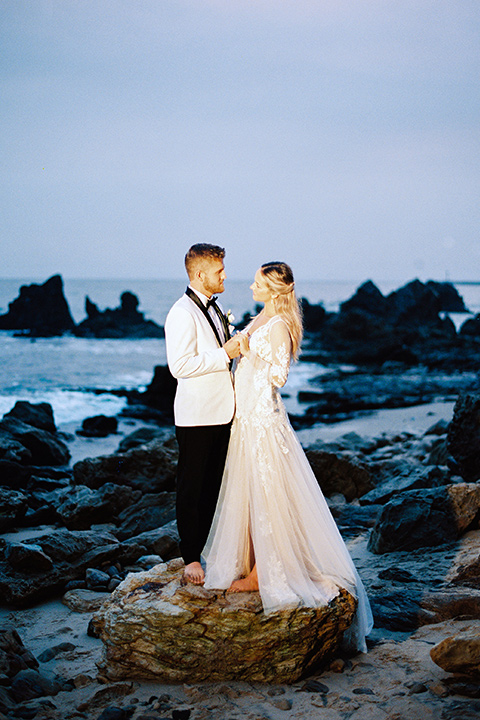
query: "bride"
272, 530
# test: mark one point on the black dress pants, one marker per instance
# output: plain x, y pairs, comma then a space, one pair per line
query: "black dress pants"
202, 454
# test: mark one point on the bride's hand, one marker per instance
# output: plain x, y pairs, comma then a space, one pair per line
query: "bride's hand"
243, 339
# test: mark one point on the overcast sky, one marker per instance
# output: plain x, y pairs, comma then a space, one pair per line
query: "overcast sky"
340, 136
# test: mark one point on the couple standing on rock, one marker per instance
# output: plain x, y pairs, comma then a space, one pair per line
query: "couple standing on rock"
247, 499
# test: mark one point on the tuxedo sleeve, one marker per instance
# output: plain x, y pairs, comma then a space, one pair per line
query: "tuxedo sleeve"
183, 357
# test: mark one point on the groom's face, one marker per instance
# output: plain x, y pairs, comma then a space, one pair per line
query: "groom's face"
213, 276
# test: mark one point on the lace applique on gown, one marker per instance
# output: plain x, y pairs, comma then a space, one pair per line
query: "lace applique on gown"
271, 510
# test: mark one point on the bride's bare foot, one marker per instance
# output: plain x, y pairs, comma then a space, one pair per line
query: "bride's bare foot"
193, 573
248, 584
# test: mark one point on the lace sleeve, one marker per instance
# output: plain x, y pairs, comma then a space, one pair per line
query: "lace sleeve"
281, 344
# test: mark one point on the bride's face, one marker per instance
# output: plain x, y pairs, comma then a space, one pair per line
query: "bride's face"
261, 292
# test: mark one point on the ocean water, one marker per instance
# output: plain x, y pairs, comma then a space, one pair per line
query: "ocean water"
67, 371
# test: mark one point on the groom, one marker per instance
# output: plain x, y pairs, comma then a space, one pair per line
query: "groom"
199, 354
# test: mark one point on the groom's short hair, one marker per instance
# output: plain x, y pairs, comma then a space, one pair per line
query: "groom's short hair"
202, 251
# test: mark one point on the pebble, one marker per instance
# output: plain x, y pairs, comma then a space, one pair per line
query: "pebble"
438, 689
275, 690
115, 713
315, 686
282, 704
338, 665
363, 691
52, 652
415, 688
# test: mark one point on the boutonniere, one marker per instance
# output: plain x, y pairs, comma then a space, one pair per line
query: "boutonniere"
230, 320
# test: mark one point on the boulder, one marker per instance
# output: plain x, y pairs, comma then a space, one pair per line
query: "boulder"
313, 315
149, 468
98, 426
368, 299
420, 478
124, 321
80, 507
27, 557
39, 415
14, 656
155, 628
162, 541
449, 298
153, 511
338, 475
160, 393
15, 454
45, 447
471, 327
464, 436
422, 518
465, 567
42, 310
143, 436
71, 553
407, 609
459, 653
13, 506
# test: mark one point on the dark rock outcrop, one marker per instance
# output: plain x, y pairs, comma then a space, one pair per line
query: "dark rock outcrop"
463, 438
39, 415
410, 326
471, 327
338, 475
124, 321
39, 568
44, 447
149, 468
42, 310
98, 426
422, 518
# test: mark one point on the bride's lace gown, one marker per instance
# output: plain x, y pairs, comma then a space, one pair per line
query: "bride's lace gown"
271, 510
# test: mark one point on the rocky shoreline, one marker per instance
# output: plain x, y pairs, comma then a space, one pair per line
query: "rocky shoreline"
407, 504
75, 532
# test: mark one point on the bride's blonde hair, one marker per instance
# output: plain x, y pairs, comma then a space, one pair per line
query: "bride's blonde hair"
278, 277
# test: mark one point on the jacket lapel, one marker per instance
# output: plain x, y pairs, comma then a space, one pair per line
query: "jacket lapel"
194, 297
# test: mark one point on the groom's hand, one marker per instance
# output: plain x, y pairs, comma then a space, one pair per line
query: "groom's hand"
232, 348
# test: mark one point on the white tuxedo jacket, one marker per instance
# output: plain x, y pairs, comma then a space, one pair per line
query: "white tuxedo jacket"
205, 387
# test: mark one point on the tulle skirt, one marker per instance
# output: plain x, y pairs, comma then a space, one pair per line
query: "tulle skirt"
272, 512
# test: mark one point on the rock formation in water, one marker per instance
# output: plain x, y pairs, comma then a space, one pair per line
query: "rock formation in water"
40, 310
123, 322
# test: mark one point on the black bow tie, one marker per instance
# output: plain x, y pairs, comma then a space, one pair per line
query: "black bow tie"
211, 301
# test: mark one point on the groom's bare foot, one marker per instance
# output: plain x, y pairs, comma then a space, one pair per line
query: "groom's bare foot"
248, 584
193, 573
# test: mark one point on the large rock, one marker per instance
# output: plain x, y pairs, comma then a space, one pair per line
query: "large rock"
422, 518
149, 468
338, 475
409, 608
122, 322
459, 653
80, 507
156, 629
162, 541
13, 506
70, 553
98, 426
153, 511
39, 415
45, 447
471, 327
419, 478
465, 567
464, 436
40, 309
